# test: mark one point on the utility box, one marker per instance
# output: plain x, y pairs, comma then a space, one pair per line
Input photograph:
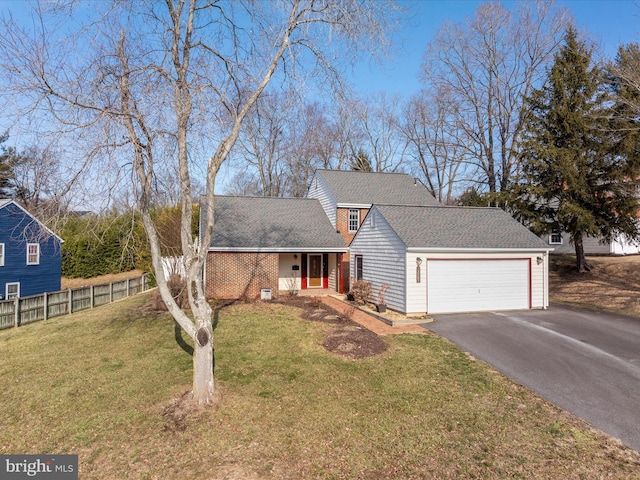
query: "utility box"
265, 294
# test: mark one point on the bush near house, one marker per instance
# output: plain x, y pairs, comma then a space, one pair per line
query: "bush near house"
361, 291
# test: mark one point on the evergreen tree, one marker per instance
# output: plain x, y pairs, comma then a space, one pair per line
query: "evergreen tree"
623, 80
360, 162
576, 179
9, 159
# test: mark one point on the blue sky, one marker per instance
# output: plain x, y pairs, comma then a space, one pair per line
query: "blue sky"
610, 23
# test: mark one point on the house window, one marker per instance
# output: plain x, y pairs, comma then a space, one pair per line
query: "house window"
354, 219
1, 254
358, 272
33, 253
13, 290
555, 238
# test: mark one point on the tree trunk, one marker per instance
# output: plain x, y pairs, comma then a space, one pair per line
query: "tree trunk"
581, 261
203, 384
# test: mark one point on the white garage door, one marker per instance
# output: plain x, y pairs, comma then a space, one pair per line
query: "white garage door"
477, 285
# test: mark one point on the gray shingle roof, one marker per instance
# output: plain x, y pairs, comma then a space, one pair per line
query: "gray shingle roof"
273, 224
353, 187
459, 227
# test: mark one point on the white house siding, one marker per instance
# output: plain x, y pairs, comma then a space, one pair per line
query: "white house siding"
320, 191
333, 271
384, 261
623, 247
289, 279
416, 290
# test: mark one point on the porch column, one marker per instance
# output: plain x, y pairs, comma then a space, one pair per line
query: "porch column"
303, 271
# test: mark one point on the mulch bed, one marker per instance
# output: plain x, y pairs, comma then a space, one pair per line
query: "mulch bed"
347, 338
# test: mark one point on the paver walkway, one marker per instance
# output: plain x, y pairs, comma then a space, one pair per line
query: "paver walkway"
367, 321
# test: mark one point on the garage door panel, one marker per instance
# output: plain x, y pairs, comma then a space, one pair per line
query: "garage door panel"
477, 285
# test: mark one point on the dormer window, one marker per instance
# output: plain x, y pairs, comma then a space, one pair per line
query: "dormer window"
354, 219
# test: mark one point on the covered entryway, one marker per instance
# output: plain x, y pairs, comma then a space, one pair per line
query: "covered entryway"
473, 285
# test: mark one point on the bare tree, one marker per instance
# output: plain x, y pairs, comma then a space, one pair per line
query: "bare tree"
434, 139
160, 83
312, 145
490, 65
375, 130
285, 140
263, 144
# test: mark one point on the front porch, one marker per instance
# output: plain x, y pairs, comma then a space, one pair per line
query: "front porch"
311, 273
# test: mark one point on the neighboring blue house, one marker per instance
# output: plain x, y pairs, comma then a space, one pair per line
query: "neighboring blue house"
30, 256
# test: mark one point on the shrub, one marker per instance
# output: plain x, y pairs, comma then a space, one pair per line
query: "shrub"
361, 292
177, 287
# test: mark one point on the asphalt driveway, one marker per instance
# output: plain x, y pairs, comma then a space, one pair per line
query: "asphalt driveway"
585, 362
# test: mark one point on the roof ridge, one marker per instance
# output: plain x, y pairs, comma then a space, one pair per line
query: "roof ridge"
469, 207
362, 172
262, 197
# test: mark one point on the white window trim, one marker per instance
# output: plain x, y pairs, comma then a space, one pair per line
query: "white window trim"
357, 258
6, 290
357, 219
37, 261
1, 254
551, 242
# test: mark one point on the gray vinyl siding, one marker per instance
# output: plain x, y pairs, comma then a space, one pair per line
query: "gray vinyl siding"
384, 260
319, 190
592, 246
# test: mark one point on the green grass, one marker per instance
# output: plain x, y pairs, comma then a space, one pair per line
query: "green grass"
99, 383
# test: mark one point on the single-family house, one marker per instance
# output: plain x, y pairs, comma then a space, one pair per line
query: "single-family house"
438, 259
30, 254
561, 243
384, 228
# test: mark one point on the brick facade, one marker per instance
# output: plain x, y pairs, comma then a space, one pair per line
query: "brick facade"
241, 275
342, 223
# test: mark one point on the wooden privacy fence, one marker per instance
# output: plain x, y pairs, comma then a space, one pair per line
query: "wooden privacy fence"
21, 311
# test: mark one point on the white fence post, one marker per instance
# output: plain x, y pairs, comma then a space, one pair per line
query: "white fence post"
16, 312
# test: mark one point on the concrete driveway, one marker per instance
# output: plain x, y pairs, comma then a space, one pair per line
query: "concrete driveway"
585, 362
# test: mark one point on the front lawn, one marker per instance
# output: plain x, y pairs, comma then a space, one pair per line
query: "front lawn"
108, 384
